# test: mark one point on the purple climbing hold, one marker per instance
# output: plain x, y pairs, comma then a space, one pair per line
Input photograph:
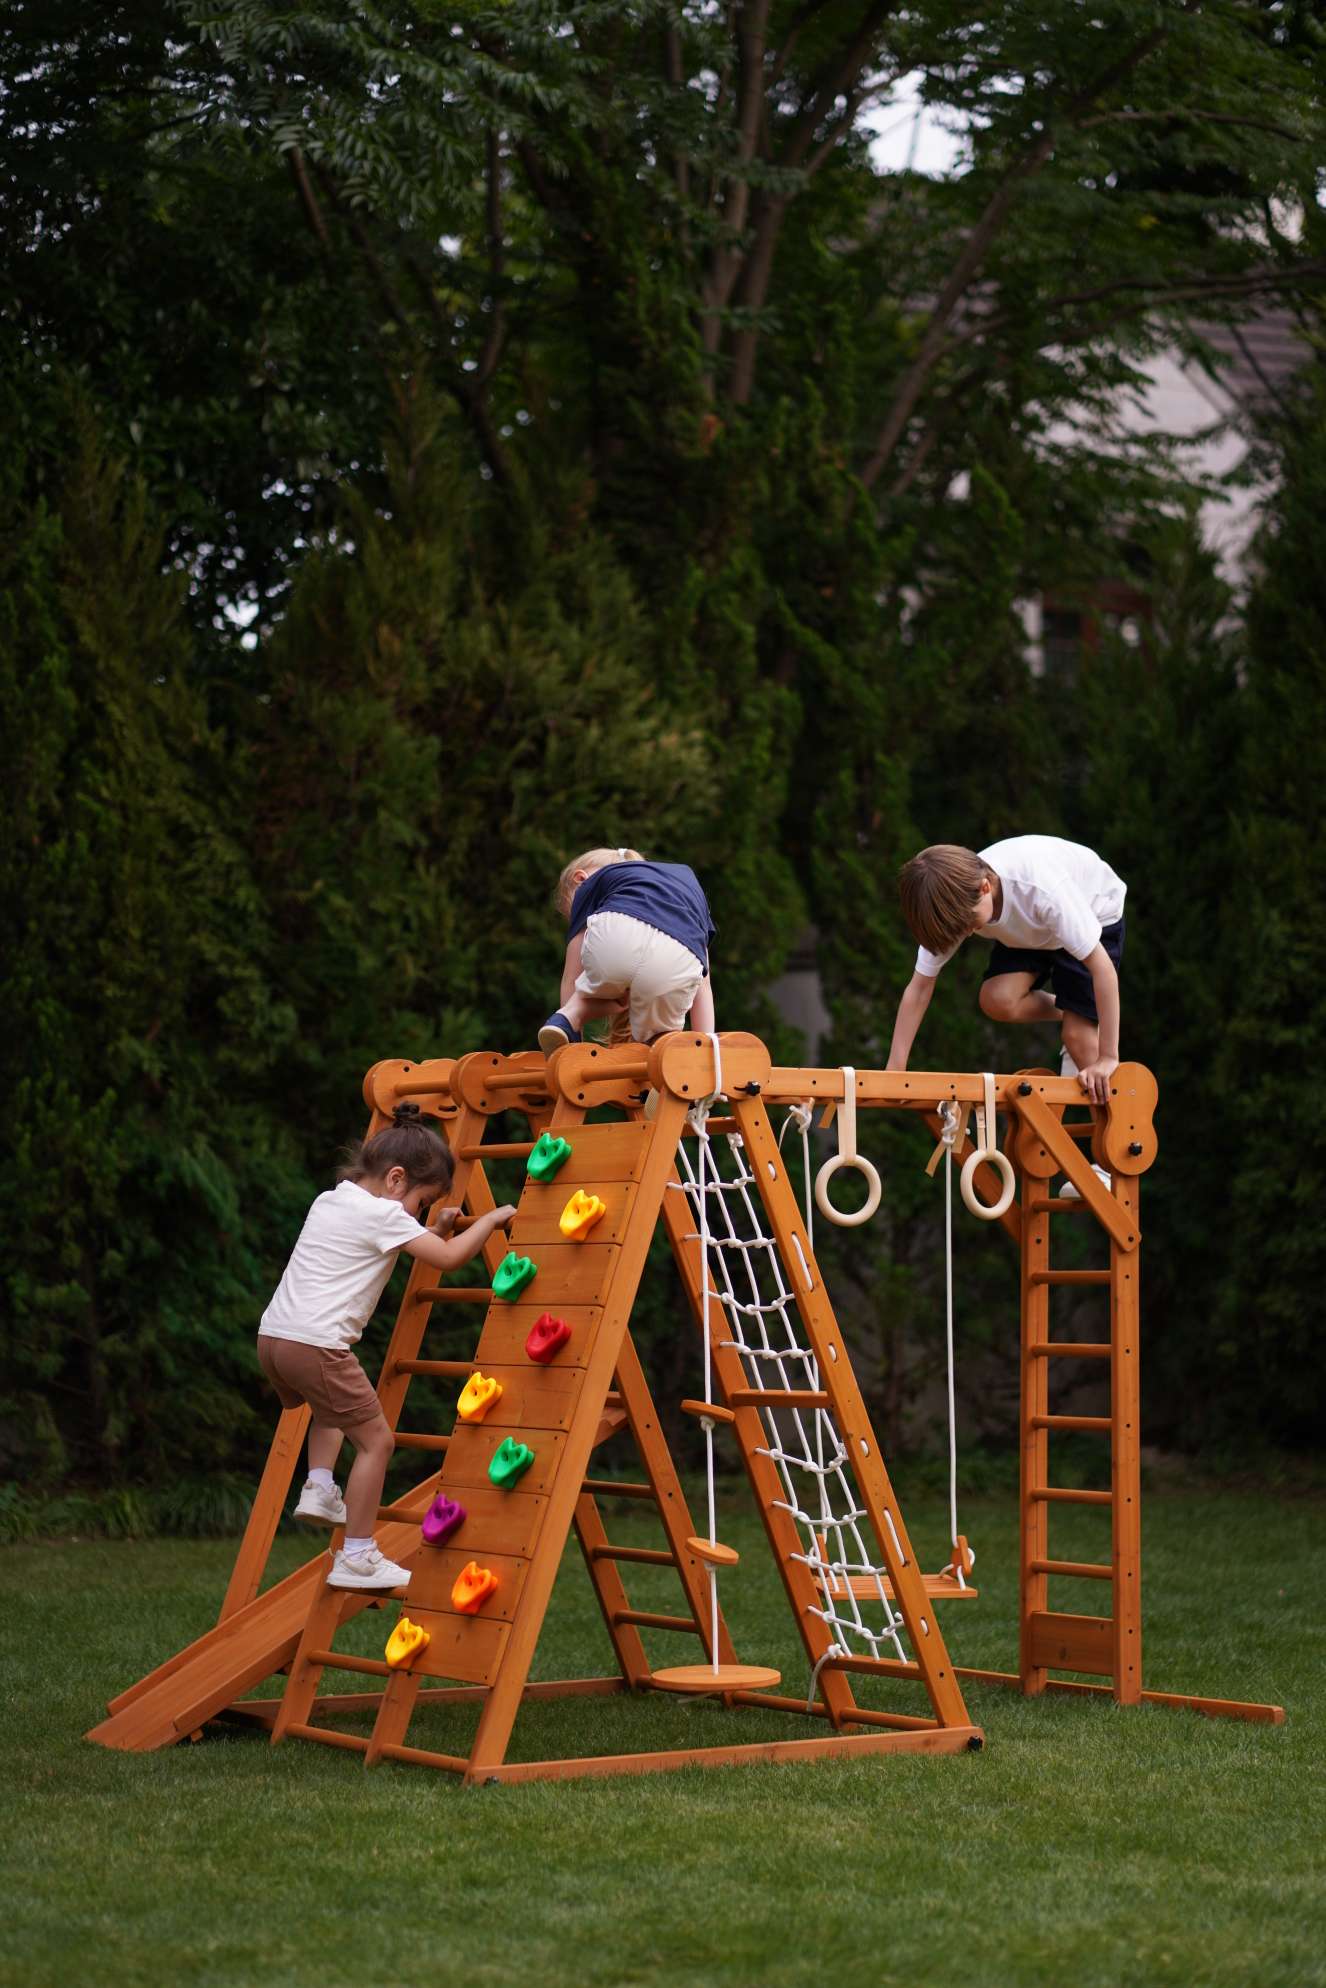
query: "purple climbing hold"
443, 1517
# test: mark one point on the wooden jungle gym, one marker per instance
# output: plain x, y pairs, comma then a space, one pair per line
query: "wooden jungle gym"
778, 1382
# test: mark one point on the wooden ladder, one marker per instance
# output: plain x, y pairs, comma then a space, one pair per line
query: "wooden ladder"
1108, 1646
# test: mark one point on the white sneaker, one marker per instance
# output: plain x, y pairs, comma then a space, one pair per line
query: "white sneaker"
319, 1507
1069, 1193
370, 1569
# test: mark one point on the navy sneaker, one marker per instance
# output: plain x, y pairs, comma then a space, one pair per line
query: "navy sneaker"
556, 1033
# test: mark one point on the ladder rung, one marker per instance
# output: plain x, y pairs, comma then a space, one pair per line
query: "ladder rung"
775, 1397
645, 1619
1078, 1131
646, 1556
517, 1080
334, 1660
1069, 1277
1101, 1422
1072, 1349
326, 1737
519, 1149
455, 1294
445, 1369
1081, 1570
1050, 1494
610, 1487
406, 1440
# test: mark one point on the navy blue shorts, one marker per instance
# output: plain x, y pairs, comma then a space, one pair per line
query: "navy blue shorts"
1067, 977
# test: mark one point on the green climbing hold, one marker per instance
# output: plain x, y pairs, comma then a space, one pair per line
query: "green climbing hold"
549, 1154
510, 1461
511, 1276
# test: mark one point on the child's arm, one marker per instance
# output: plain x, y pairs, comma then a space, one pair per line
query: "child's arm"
1105, 981
702, 1007
911, 1011
455, 1250
571, 970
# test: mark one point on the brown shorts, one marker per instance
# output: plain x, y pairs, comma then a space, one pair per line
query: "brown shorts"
334, 1385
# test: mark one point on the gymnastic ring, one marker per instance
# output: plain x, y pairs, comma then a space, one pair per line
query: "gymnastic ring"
997, 1159
825, 1175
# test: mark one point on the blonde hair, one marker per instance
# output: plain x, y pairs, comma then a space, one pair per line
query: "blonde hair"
593, 859
940, 890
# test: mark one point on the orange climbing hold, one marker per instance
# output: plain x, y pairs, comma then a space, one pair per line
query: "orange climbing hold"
473, 1586
405, 1642
477, 1397
580, 1214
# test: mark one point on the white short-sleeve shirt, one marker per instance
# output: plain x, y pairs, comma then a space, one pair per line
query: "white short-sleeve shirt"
1056, 894
339, 1268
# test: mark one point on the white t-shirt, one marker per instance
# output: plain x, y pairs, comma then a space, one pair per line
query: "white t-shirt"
339, 1268
1056, 893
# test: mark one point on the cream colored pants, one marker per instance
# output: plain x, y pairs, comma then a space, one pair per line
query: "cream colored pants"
662, 977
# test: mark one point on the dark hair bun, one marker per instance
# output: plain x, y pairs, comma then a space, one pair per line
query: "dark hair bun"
406, 1114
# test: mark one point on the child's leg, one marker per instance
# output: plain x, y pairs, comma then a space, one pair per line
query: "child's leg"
581, 1004
1011, 997
667, 986
1081, 1039
600, 965
374, 1444
324, 1446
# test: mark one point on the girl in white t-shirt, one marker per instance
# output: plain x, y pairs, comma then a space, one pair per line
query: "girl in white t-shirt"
337, 1272
1054, 911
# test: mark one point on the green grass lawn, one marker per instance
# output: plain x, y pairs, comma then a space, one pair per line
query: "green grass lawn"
1086, 1845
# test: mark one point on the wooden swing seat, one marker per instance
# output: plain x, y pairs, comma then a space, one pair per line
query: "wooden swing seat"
943, 1586
700, 1678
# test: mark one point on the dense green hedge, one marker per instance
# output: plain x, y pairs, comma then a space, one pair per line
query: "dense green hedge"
223, 908
428, 447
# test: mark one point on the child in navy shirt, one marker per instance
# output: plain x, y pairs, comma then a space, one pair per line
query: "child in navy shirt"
638, 942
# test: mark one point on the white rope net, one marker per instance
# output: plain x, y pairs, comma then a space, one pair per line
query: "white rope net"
742, 1272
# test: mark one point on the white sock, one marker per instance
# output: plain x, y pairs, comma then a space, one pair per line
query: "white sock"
1067, 1067
353, 1546
323, 1479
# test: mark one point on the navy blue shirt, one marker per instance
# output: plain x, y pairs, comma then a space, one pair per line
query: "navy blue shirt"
665, 895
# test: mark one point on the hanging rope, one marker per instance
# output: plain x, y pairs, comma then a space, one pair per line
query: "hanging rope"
804, 1445
802, 1115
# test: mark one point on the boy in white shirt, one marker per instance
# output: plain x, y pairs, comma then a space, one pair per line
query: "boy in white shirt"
1054, 910
339, 1269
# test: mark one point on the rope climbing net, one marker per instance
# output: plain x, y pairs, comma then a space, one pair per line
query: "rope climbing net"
741, 1271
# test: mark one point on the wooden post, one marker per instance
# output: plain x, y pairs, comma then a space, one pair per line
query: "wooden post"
1033, 1436
1125, 1462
